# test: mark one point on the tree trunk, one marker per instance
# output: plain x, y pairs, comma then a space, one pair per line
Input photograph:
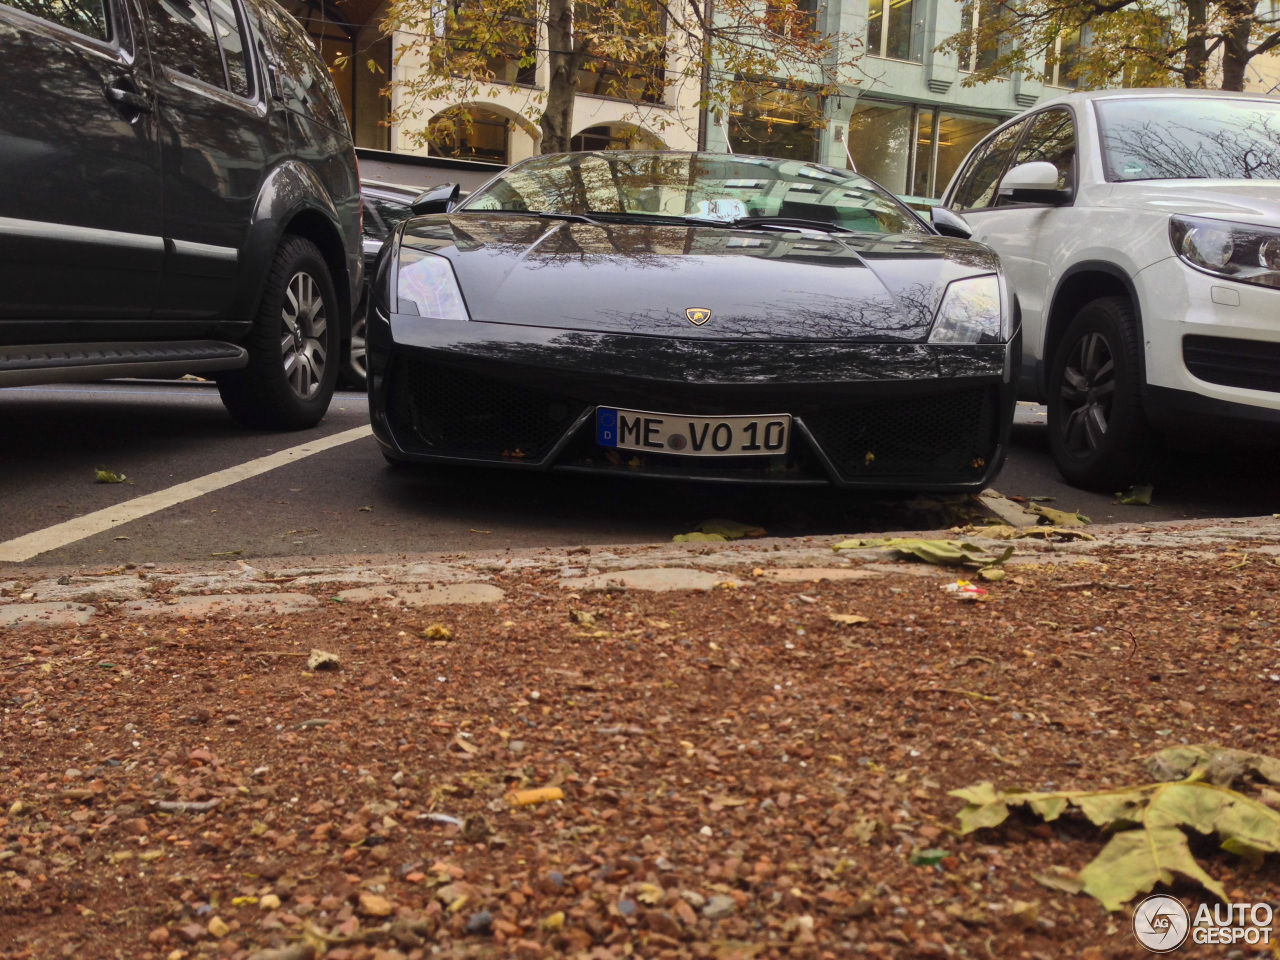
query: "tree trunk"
1235, 43
1193, 75
562, 88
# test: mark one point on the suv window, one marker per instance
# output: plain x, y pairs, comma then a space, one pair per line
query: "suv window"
231, 36
1051, 138
303, 74
977, 186
88, 17
182, 37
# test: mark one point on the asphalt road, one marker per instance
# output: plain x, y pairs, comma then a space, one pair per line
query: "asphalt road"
346, 501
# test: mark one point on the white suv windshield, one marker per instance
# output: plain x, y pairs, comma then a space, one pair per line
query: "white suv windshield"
1176, 138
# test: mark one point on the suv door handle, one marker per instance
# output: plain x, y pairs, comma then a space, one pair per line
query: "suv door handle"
119, 91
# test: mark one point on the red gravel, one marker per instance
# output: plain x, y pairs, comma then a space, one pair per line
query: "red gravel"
731, 744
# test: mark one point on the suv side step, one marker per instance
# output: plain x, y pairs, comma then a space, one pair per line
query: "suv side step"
80, 362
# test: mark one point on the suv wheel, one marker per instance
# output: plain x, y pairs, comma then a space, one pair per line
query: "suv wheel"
294, 346
1097, 426
355, 374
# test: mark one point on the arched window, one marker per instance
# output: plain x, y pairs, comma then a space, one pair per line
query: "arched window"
470, 133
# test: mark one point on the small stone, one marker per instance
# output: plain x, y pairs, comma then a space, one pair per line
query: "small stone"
323, 660
191, 932
269, 902
72, 774
627, 908
719, 907
372, 905
218, 928
553, 922
693, 898
481, 922
136, 827
516, 746
158, 937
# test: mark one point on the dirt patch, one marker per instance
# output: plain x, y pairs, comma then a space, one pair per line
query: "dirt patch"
741, 775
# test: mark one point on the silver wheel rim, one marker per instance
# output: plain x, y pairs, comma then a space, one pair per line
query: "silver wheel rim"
303, 342
1088, 389
358, 348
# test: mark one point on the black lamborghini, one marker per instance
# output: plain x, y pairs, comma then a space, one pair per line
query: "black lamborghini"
696, 316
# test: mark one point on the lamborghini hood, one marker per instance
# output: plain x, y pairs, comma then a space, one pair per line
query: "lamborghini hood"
696, 281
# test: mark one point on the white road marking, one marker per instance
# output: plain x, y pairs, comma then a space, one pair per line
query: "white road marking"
61, 534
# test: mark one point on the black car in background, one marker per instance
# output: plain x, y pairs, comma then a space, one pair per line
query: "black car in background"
692, 316
385, 205
179, 194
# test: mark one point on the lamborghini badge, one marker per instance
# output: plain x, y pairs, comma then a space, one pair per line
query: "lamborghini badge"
698, 315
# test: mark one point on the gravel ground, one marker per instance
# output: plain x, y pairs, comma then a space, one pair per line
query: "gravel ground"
739, 775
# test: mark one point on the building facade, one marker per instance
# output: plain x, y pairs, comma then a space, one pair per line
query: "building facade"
910, 120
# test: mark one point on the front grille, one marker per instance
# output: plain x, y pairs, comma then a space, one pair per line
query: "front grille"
941, 437
1251, 364
440, 409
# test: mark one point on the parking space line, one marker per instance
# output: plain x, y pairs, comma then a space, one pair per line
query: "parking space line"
59, 535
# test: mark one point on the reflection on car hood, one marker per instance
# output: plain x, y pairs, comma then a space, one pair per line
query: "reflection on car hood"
1248, 201
642, 278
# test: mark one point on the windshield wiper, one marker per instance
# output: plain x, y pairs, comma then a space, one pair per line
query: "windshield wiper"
573, 217
788, 223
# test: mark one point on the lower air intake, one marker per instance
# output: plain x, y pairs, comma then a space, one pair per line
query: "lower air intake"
440, 409
941, 437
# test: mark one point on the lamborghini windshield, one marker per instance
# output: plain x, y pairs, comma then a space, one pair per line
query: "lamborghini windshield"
701, 188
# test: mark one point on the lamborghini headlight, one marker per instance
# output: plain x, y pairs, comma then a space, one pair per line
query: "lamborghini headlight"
971, 312
1234, 251
425, 285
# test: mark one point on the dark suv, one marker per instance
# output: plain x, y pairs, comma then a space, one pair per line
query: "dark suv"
178, 193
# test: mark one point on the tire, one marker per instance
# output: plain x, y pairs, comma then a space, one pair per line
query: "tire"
293, 366
1098, 432
355, 372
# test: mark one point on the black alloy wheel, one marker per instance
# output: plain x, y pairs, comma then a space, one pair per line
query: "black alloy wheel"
355, 372
294, 346
1098, 431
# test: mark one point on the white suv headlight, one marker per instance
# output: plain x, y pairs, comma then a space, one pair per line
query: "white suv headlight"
970, 312
425, 285
1234, 251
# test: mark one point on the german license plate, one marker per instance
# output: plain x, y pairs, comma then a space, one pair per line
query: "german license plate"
763, 436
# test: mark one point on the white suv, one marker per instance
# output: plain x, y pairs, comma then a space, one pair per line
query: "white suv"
1141, 232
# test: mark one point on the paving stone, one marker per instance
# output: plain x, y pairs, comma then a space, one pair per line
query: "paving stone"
222, 605
428, 596
45, 614
912, 569
659, 579
91, 589
811, 574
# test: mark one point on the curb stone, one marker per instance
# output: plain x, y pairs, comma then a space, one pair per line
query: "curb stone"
34, 596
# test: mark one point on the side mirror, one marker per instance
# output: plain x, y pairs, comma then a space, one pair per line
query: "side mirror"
950, 224
439, 199
1035, 182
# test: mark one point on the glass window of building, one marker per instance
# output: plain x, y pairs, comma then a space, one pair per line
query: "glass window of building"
895, 29
879, 141
912, 149
1066, 56
641, 78
791, 18
471, 133
979, 21
776, 123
